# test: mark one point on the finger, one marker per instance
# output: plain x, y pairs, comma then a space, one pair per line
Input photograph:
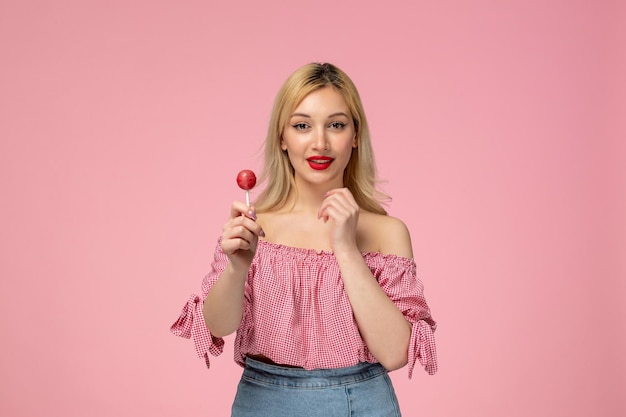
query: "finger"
242, 210
239, 208
239, 232
346, 196
244, 221
232, 245
334, 213
231, 227
341, 203
342, 194
238, 238
340, 191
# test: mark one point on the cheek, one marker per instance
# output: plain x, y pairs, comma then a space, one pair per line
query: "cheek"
349, 146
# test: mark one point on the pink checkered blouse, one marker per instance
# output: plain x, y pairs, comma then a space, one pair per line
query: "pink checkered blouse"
296, 311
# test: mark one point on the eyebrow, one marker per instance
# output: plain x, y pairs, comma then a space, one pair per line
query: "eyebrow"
330, 116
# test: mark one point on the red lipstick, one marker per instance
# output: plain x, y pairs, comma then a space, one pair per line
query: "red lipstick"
319, 163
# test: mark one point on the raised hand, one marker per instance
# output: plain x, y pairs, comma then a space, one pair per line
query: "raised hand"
240, 235
342, 210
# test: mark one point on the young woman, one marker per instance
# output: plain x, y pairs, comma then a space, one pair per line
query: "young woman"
316, 279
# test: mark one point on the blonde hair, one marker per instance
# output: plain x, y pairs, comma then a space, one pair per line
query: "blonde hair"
278, 174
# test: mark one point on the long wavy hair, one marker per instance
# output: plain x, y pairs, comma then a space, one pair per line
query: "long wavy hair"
278, 174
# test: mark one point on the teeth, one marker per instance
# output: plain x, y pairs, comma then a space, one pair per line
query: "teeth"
317, 161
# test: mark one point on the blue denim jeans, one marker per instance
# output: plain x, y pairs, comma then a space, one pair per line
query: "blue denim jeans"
363, 390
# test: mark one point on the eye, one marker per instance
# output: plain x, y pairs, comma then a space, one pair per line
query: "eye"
337, 125
300, 126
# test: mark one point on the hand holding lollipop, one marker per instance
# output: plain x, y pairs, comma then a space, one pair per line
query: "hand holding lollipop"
246, 180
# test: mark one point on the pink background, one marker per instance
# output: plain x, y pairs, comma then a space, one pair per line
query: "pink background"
499, 127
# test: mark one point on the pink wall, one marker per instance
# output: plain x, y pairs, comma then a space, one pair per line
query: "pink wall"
499, 126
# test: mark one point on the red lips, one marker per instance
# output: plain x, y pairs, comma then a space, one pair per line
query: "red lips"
319, 163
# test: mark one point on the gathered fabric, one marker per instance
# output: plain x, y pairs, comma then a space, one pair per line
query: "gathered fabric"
297, 313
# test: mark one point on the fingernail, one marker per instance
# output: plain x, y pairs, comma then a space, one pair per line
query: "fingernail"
262, 233
252, 215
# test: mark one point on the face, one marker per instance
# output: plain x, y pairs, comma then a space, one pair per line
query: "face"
319, 138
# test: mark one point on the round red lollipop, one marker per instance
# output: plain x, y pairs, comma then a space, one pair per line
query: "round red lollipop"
246, 180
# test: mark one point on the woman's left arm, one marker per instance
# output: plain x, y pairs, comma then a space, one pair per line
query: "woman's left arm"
382, 325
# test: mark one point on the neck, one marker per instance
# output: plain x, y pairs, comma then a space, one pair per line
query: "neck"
309, 197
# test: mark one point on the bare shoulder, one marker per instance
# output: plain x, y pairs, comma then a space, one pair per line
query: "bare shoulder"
390, 234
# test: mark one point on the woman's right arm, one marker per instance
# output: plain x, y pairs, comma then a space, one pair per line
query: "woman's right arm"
223, 306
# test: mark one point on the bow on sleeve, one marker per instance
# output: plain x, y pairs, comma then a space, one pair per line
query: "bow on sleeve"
191, 324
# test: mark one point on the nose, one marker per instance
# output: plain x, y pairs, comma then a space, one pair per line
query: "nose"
320, 141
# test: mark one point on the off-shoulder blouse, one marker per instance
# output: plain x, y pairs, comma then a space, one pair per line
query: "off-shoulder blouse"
297, 312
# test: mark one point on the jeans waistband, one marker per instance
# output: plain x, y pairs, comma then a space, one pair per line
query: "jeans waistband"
316, 378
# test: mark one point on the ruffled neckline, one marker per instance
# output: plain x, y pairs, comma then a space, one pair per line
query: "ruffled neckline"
280, 248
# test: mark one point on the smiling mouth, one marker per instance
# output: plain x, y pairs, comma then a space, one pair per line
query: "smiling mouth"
319, 163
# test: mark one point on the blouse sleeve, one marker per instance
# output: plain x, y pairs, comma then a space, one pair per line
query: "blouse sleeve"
397, 277
191, 323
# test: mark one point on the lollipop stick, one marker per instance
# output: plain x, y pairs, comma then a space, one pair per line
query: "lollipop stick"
247, 198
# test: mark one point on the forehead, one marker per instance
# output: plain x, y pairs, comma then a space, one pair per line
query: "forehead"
322, 100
